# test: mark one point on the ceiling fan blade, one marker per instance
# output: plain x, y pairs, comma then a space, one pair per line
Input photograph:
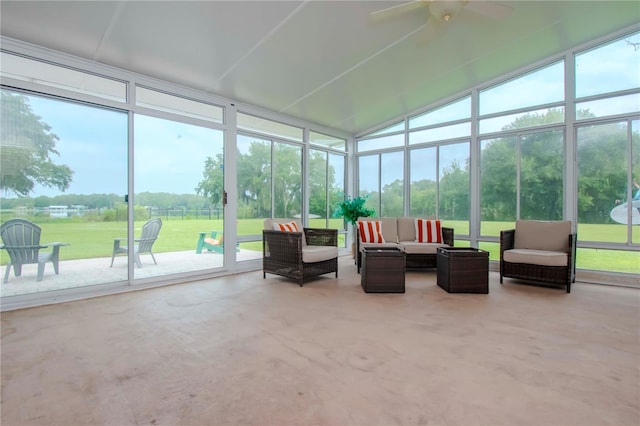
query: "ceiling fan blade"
397, 9
489, 9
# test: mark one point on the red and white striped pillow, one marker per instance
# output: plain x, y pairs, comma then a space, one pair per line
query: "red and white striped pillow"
428, 231
286, 227
371, 231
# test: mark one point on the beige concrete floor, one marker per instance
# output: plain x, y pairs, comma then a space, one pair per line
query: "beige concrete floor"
242, 350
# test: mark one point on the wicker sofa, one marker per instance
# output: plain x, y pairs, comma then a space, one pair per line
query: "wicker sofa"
298, 255
538, 250
401, 232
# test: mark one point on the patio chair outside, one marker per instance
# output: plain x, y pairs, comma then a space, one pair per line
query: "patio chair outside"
212, 241
21, 239
150, 231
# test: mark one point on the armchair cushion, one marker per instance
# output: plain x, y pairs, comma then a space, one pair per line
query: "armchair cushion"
271, 224
312, 254
286, 227
536, 257
542, 235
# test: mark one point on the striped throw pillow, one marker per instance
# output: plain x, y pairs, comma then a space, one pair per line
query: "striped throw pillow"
371, 231
428, 231
286, 227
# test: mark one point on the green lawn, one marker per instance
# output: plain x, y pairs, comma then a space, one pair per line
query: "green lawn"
95, 239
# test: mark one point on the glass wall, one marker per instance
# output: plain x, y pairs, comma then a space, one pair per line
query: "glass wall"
270, 181
498, 184
521, 178
423, 188
608, 156
518, 153
64, 170
381, 182
179, 180
326, 188
269, 177
517, 148
454, 186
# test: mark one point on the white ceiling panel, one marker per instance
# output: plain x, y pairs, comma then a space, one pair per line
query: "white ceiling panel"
326, 62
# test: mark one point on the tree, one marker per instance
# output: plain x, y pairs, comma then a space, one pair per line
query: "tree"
26, 145
287, 180
423, 198
254, 179
212, 184
454, 192
320, 175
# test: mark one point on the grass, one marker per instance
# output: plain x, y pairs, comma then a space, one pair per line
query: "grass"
95, 239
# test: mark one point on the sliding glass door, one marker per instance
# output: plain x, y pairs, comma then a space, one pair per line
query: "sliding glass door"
179, 197
64, 174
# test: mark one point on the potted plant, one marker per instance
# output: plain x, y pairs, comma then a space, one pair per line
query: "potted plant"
351, 209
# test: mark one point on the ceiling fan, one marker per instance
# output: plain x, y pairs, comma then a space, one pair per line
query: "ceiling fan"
443, 11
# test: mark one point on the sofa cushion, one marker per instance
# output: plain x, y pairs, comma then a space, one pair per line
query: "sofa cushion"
311, 254
370, 231
406, 229
542, 235
412, 247
377, 245
536, 257
389, 228
428, 231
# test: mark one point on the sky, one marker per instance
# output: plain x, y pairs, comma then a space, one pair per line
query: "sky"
92, 141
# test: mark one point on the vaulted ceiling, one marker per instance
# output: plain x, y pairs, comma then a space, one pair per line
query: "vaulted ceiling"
327, 62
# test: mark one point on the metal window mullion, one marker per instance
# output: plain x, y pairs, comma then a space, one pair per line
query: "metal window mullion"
327, 200
474, 173
630, 181
570, 181
437, 181
130, 191
380, 185
518, 171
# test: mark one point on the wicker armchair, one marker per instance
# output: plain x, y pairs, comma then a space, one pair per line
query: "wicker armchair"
543, 251
299, 255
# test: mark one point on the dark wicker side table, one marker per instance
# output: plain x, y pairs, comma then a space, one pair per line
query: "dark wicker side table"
382, 270
463, 270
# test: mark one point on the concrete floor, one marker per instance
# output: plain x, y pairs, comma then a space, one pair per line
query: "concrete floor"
242, 350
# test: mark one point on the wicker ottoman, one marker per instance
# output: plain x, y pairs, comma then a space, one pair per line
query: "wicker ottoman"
382, 270
463, 270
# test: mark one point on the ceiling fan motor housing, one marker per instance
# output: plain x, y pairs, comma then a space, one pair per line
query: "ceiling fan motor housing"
444, 10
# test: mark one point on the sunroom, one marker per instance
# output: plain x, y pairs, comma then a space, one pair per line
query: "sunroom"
214, 116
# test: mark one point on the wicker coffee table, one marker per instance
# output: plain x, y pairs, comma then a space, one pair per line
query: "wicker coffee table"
463, 270
382, 270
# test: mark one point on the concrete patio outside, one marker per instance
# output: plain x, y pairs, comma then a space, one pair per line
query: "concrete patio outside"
86, 272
